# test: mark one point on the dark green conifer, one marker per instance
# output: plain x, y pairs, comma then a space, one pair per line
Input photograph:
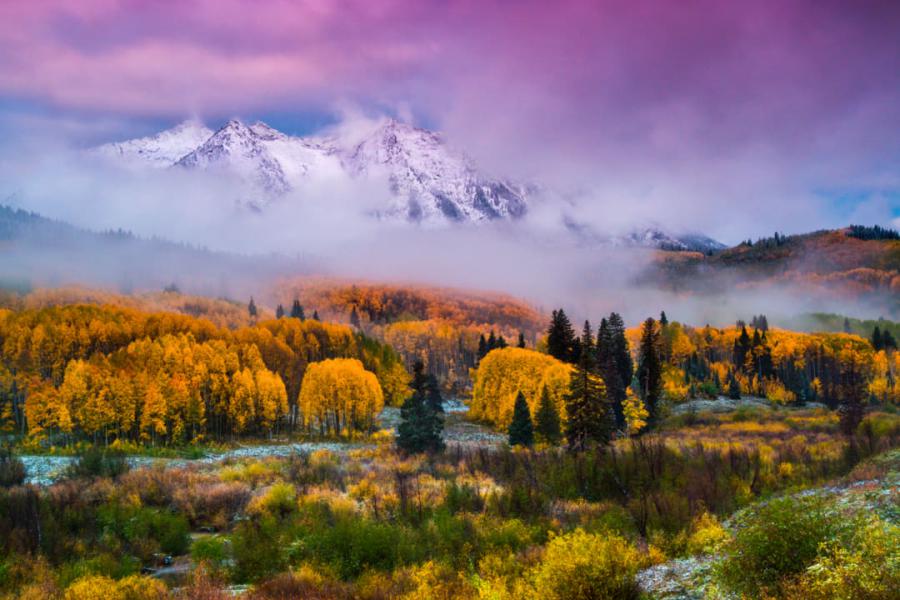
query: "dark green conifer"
421, 426
521, 430
650, 369
546, 420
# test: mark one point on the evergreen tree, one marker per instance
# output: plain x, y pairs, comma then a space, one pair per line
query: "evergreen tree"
620, 351
561, 342
546, 420
279, 312
608, 367
492, 341
876, 339
589, 418
251, 309
847, 325
650, 369
421, 425
734, 388
354, 318
501, 342
521, 431
853, 395
297, 310
482, 347
887, 340
521, 342
316, 316
663, 319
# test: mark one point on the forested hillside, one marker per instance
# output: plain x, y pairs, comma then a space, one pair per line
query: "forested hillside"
447, 329
108, 372
856, 263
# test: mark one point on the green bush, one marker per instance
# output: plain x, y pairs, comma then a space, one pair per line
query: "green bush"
775, 542
257, 547
99, 462
351, 544
211, 550
866, 568
12, 469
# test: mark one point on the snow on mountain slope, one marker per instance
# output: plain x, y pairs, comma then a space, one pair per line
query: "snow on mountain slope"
431, 183
428, 181
160, 150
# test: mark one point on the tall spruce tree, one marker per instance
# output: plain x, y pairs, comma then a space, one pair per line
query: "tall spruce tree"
421, 425
251, 309
482, 347
521, 430
297, 310
650, 369
853, 396
609, 369
316, 316
561, 341
521, 342
589, 418
734, 388
877, 342
546, 420
279, 312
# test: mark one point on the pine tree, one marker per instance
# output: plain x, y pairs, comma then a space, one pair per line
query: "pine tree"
316, 316
734, 388
546, 420
297, 310
501, 342
521, 342
847, 325
421, 426
279, 312
354, 318
521, 430
650, 369
620, 352
853, 395
663, 319
251, 308
876, 339
561, 342
589, 418
491, 341
608, 368
482, 347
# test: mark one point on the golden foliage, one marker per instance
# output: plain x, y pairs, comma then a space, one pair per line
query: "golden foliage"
339, 395
505, 372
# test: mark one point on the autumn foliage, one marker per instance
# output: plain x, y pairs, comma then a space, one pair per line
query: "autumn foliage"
108, 372
505, 372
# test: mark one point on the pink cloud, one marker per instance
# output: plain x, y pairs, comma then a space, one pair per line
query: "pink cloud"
649, 99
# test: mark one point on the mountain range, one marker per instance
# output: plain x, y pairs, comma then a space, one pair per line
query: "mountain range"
425, 180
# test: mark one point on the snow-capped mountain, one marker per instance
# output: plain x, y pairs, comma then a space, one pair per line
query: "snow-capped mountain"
270, 161
643, 237
427, 180
431, 182
653, 237
160, 150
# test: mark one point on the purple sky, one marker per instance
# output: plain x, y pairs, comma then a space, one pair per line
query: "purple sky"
735, 117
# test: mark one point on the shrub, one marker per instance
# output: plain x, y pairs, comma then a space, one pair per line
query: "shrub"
774, 542
257, 550
706, 536
585, 566
280, 500
12, 469
99, 462
869, 569
212, 551
93, 587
